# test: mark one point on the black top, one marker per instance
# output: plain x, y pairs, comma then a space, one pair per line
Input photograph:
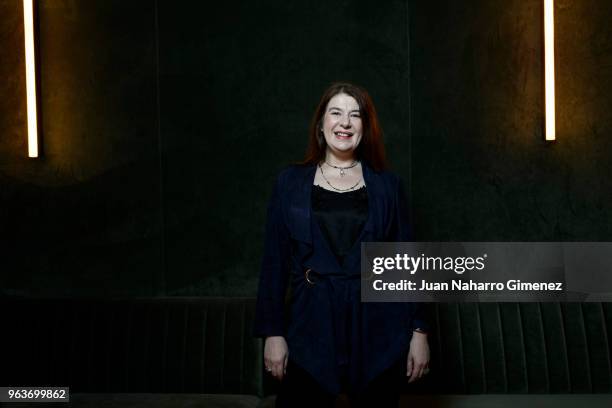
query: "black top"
341, 217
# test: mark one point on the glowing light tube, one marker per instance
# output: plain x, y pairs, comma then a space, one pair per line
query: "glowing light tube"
30, 65
549, 68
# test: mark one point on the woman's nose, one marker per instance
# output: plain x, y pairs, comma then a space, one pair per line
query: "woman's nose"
346, 121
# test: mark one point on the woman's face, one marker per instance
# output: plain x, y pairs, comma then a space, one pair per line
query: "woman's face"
342, 124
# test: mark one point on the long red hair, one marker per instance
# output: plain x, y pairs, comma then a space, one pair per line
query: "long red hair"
371, 148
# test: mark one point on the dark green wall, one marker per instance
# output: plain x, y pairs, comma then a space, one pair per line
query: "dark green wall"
86, 218
238, 85
481, 168
164, 125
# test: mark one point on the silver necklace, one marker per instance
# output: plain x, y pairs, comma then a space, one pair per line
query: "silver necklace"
335, 188
342, 173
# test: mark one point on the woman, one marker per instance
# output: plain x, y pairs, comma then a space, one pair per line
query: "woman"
319, 213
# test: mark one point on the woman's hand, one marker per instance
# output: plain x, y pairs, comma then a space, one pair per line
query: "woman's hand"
418, 357
276, 355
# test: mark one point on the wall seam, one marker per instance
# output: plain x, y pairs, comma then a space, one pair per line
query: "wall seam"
483, 365
410, 155
521, 322
502, 340
588, 349
545, 347
464, 384
562, 314
607, 342
160, 279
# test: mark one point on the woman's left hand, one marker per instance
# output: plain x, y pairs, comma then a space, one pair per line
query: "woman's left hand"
418, 357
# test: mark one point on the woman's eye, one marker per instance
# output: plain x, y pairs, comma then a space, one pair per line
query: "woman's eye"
335, 113
356, 115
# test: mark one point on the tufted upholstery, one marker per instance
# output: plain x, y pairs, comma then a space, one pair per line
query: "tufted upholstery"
199, 352
171, 345
531, 348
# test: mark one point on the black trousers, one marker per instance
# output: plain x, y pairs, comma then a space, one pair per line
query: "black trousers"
299, 389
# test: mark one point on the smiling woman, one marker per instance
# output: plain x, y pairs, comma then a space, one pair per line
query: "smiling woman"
342, 125
320, 211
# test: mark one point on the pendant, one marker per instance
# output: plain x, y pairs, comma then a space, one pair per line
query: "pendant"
341, 172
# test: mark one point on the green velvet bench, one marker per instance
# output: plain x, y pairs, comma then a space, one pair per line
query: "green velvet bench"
198, 352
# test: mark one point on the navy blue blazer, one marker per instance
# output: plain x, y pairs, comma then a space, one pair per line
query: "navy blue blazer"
327, 312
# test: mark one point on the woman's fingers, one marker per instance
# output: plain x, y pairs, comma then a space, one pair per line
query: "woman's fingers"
415, 369
275, 356
277, 370
271, 367
418, 357
419, 371
409, 366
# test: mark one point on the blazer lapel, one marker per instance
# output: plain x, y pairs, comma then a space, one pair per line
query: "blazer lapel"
372, 183
299, 205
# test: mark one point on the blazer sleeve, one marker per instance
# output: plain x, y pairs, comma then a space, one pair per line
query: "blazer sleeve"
274, 272
404, 233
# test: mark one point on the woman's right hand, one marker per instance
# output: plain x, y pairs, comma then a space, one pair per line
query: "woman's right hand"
276, 355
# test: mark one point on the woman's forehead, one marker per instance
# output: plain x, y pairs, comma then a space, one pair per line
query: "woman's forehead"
343, 101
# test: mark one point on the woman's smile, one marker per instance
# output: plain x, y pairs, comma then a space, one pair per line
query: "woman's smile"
343, 135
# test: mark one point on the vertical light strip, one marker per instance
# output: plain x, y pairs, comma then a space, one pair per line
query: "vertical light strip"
549, 67
30, 64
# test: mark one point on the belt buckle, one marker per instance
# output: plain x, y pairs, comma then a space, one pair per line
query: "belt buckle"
307, 277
